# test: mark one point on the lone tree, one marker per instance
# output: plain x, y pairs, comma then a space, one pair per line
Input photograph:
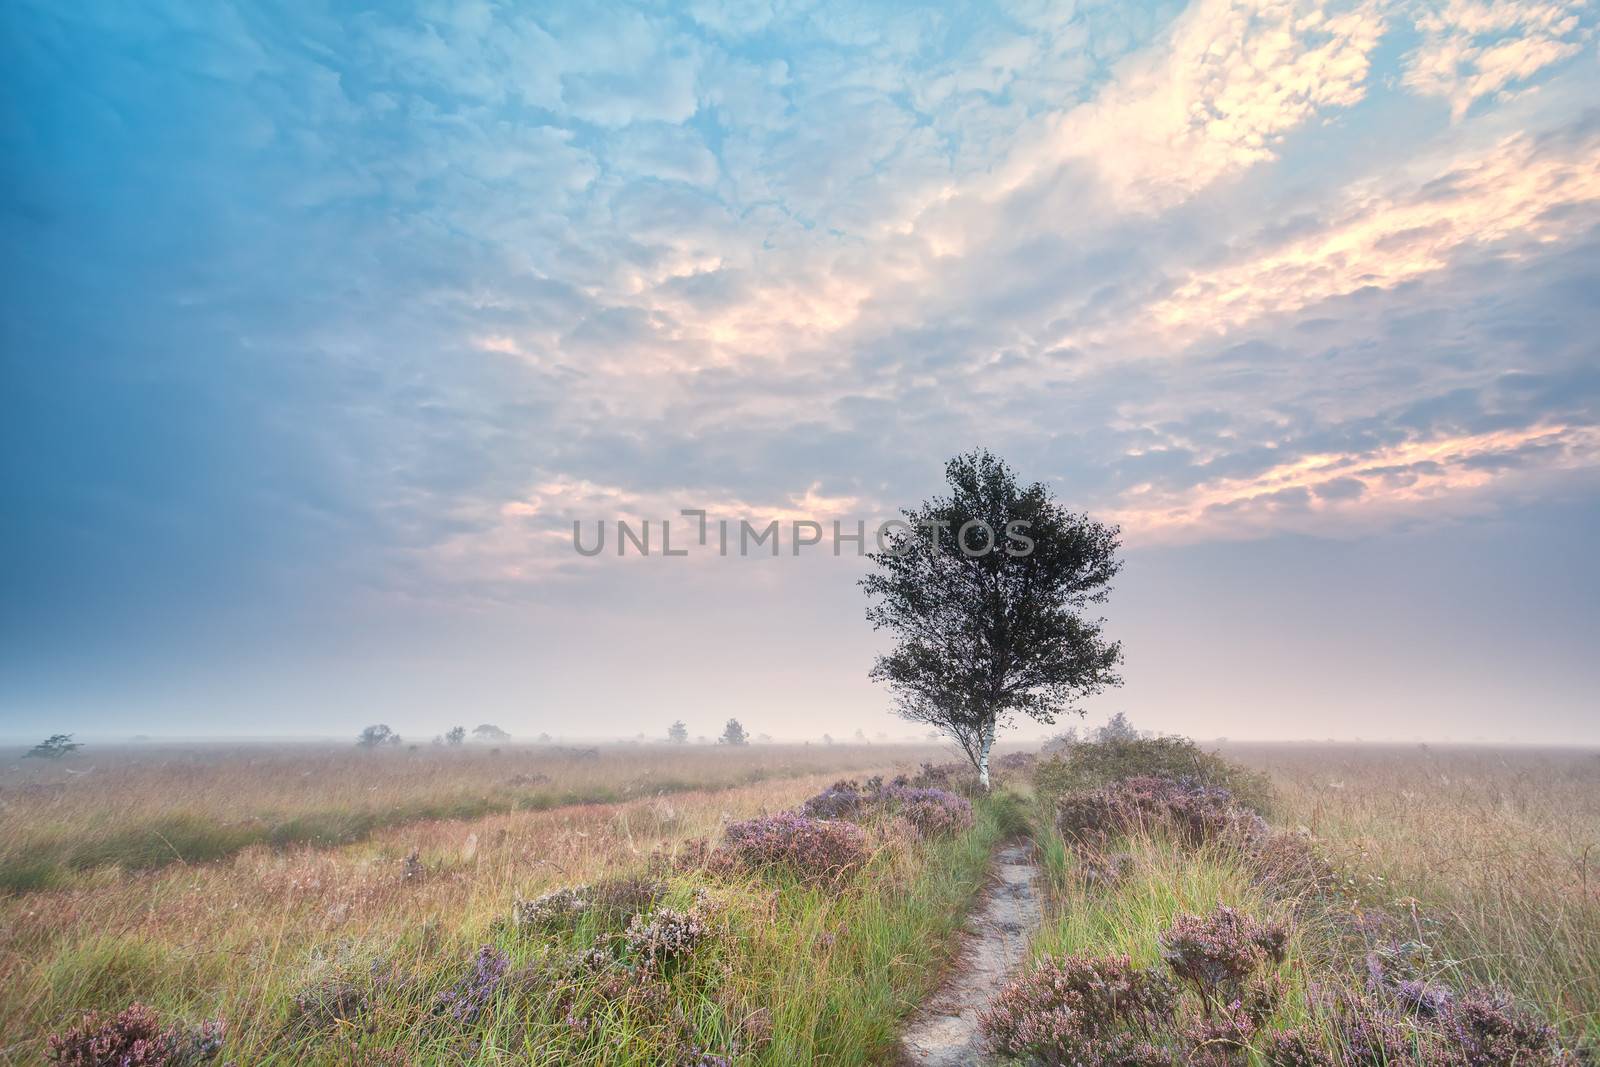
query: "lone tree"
455, 735
984, 591
733, 734
53, 747
678, 733
489, 732
377, 734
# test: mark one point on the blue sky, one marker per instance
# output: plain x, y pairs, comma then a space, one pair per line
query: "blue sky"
322, 326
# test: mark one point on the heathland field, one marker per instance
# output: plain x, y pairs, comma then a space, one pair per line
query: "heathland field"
651, 904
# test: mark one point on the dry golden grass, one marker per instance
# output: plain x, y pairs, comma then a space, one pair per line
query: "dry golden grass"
236, 938
1495, 851
143, 807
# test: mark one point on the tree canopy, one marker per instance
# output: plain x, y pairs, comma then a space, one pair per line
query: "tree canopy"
985, 592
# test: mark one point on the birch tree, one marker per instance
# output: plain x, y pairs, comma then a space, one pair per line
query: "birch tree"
986, 593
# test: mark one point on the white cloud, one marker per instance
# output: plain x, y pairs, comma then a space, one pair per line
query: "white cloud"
1472, 49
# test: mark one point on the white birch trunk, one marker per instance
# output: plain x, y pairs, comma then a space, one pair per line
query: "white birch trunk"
986, 743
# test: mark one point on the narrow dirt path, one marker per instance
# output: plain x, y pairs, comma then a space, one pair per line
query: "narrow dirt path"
944, 1032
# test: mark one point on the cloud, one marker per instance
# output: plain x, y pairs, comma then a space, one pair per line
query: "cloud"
1231, 80
1515, 194
1473, 49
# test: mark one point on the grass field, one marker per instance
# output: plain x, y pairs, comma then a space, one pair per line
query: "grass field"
1494, 852
344, 907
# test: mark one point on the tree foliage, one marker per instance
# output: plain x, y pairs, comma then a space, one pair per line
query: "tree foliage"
455, 735
377, 734
987, 627
733, 734
678, 733
489, 732
53, 747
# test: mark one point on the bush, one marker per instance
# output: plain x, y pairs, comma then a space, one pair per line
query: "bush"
668, 938
1489, 1029
556, 910
1197, 813
1297, 1047
1220, 1040
841, 800
1088, 765
1218, 954
934, 812
1082, 1010
472, 994
812, 850
135, 1038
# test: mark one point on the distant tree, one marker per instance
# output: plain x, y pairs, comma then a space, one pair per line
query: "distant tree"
861, 736
989, 626
490, 732
678, 733
455, 735
1118, 728
53, 747
377, 734
827, 739
544, 739
765, 739
733, 734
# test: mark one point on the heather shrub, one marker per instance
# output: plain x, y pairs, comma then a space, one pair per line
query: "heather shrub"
812, 850
1368, 1033
1080, 766
558, 909
1218, 954
472, 994
668, 937
1220, 1039
1196, 813
1488, 1028
1299, 1046
934, 812
134, 1037
1082, 1010
841, 800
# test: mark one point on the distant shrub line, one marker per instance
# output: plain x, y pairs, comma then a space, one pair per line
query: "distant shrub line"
50, 864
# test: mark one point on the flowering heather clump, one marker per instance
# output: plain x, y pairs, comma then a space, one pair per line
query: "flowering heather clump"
1297, 1047
840, 800
555, 910
468, 998
1197, 813
135, 1037
1423, 998
1216, 954
1490, 1029
934, 812
1017, 761
814, 850
1369, 1034
1221, 1039
668, 937
1080, 1010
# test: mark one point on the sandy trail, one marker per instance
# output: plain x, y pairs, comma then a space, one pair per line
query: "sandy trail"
944, 1032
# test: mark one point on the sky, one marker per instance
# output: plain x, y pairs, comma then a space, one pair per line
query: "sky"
323, 324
